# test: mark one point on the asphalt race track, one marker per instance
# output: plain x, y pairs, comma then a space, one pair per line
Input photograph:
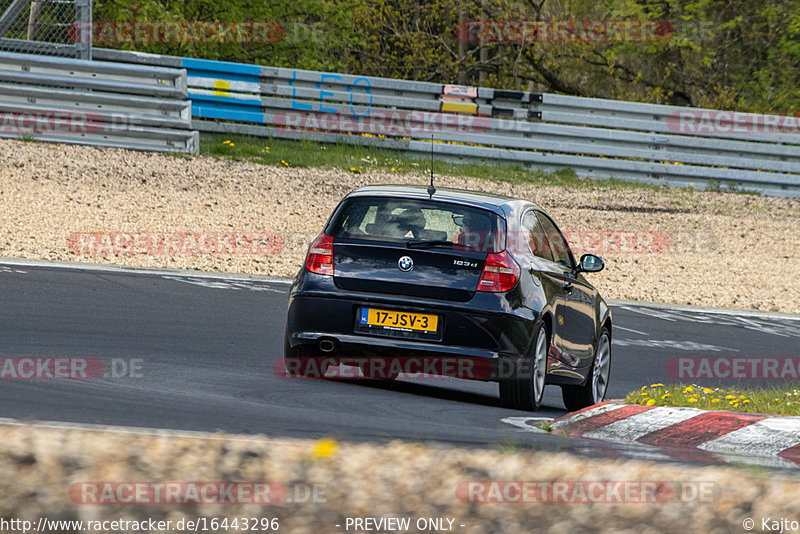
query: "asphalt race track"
196, 353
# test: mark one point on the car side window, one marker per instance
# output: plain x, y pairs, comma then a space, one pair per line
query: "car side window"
535, 236
558, 245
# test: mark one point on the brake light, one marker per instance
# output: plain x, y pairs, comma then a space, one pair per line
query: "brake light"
320, 255
500, 273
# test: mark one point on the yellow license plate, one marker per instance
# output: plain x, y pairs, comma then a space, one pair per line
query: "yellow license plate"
420, 322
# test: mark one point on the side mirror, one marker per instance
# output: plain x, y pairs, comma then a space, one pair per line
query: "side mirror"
591, 264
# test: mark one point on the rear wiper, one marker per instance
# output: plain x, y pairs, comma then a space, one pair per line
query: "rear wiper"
433, 243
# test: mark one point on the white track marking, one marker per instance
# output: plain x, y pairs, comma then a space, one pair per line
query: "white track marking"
778, 325
634, 427
631, 330
77, 266
658, 313
633, 306
4, 269
766, 437
646, 452
223, 283
670, 344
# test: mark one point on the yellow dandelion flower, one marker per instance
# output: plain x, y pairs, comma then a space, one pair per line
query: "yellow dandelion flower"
714, 400
693, 399
733, 397
742, 397
231, 144
665, 395
325, 448
708, 391
656, 385
643, 388
650, 402
688, 389
745, 401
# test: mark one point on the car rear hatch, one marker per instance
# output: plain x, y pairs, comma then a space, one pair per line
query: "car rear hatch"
422, 248
393, 268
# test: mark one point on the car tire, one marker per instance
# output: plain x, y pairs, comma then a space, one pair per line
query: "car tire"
596, 385
302, 361
526, 393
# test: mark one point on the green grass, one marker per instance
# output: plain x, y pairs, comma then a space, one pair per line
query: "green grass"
507, 448
361, 159
780, 400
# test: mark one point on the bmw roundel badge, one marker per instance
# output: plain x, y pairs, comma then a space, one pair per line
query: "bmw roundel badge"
405, 264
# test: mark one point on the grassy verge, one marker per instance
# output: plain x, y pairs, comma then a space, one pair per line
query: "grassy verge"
361, 159
783, 400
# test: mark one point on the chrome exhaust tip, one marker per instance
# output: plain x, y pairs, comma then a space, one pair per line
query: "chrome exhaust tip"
327, 345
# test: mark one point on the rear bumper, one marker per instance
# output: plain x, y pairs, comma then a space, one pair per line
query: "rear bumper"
473, 330
383, 357
365, 345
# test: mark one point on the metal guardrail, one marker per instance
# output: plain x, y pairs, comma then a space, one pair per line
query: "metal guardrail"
595, 137
93, 102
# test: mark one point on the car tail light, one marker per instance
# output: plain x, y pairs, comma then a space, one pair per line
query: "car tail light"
320, 255
500, 273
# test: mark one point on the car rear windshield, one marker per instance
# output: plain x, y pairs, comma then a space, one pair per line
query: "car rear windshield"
418, 222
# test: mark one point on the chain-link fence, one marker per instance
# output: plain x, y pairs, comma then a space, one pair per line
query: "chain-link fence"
46, 27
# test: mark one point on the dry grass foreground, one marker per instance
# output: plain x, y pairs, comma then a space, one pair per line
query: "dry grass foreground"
45, 472
723, 249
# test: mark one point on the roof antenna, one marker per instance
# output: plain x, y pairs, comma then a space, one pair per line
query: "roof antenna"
431, 188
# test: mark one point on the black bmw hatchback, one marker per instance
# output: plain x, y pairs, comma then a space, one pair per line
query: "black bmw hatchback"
453, 283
